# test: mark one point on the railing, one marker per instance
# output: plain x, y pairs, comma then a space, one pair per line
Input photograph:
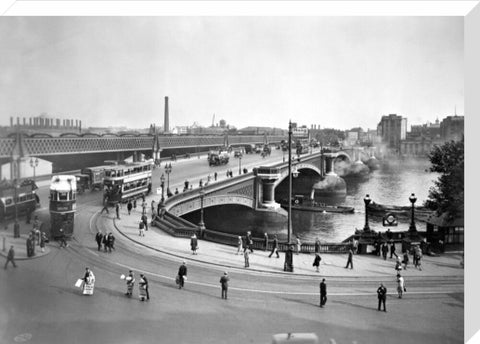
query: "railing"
232, 239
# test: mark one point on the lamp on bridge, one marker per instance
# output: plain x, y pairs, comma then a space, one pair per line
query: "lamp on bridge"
201, 224
367, 201
412, 200
162, 184
168, 170
34, 164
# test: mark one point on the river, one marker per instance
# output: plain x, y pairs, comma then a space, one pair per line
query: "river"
391, 184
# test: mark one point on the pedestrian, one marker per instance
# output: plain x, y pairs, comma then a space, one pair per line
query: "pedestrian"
129, 206
176, 191
130, 283
105, 242
153, 206
141, 226
99, 239
105, 208
186, 185
265, 242
316, 262
392, 250
398, 264
246, 257
382, 297
274, 247
182, 275
43, 240
384, 250
249, 242
224, 282
143, 288
400, 285
317, 245
215, 175
10, 257
194, 243
111, 242
145, 221
200, 183
63, 238
30, 246
350, 259
298, 245
239, 244
88, 282
134, 203
37, 235
117, 210
323, 293
144, 206
405, 260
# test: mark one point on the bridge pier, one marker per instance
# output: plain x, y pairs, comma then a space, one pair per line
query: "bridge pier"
267, 178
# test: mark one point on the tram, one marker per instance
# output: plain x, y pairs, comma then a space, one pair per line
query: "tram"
127, 181
63, 197
18, 200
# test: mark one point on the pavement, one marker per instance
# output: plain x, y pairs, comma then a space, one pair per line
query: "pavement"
332, 265
19, 244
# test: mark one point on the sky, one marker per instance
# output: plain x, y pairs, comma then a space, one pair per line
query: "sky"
336, 72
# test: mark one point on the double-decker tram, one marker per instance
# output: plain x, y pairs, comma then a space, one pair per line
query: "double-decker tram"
63, 197
17, 200
127, 181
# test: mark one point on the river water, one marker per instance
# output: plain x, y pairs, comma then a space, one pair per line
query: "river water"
391, 184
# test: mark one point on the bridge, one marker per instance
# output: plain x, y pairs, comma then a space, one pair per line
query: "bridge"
255, 190
45, 145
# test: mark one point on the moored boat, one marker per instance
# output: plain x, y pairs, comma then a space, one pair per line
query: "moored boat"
299, 203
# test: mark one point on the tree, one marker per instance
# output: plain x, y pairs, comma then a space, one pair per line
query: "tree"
447, 194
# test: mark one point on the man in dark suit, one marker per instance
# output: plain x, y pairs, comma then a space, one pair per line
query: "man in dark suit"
182, 273
99, 239
382, 297
323, 293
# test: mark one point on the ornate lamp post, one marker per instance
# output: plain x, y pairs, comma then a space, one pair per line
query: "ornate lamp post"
34, 164
412, 199
201, 224
168, 170
162, 184
288, 256
367, 201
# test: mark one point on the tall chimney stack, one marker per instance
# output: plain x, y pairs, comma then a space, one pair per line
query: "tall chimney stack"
166, 127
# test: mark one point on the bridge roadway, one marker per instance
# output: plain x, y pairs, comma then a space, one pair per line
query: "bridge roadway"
40, 303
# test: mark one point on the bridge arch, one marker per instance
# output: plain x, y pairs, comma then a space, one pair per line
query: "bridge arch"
298, 166
194, 204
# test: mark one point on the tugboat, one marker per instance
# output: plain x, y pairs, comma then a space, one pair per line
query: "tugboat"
299, 202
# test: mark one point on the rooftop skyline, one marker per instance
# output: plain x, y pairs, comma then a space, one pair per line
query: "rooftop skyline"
336, 72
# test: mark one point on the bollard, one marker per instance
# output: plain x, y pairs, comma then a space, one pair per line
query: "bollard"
3, 246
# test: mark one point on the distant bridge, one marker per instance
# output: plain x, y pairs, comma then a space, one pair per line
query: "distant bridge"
45, 145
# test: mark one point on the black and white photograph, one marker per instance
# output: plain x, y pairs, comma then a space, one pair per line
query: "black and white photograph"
219, 178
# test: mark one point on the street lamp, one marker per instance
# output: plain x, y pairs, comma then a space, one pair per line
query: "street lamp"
33, 164
162, 184
412, 199
367, 201
201, 224
168, 170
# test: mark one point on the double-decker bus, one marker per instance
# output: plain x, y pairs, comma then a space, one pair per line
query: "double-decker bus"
63, 197
127, 181
17, 200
